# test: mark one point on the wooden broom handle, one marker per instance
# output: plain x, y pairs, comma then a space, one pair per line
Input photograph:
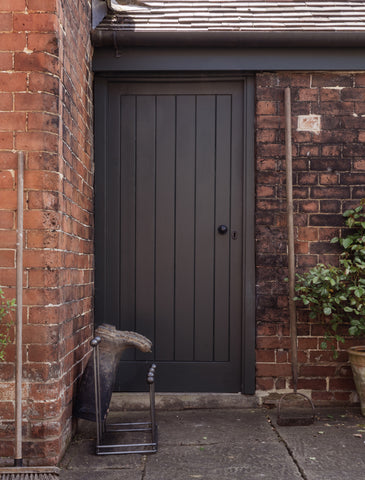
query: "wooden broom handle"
290, 222
19, 316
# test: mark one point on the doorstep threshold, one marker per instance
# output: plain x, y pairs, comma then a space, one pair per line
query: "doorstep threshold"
181, 401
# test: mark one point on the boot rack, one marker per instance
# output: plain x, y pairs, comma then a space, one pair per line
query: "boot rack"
103, 428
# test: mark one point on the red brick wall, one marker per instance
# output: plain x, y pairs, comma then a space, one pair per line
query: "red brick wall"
329, 177
46, 111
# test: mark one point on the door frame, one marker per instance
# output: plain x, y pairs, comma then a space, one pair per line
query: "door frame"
248, 324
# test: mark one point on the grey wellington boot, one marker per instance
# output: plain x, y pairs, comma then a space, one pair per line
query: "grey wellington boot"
112, 344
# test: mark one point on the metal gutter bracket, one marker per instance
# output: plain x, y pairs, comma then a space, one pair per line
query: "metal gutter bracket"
99, 11
120, 5
115, 42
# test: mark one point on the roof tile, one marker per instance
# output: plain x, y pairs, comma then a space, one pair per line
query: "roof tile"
215, 15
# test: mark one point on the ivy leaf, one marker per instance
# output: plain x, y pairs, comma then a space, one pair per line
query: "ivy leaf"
359, 292
353, 331
348, 213
346, 242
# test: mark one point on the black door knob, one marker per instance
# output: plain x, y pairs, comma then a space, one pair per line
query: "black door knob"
222, 229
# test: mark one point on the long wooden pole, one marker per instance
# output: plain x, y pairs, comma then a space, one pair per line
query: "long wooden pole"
19, 317
290, 222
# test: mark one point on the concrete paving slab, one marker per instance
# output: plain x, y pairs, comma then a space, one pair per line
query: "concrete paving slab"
219, 444
330, 449
202, 426
80, 461
220, 462
81, 456
100, 475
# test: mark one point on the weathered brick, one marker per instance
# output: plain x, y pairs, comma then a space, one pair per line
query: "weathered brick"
308, 234
353, 150
37, 102
342, 384
6, 219
42, 5
42, 180
267, 356
6, 60
329, 179
330, 95
353, 94
12, 121
45, 200
265, 383
35, 22
308, 94
317, 370
6, 140
337, 192
331, 80
328, 233
337, 108
43, 42
266, 108
273, 370
8, 199
37, 353
36, 62
273, 342
282, 356
358, 192
301, 248
12, 41
43, 121
7, 258
312, 383
43, 259
6, 21
307, 260
309, 206
326, 220
266, 136
6, 177
43, 82
6, 100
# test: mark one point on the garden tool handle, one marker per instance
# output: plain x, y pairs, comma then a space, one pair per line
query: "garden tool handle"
290, 222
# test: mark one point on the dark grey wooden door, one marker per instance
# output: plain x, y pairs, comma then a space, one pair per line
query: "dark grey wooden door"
171, 176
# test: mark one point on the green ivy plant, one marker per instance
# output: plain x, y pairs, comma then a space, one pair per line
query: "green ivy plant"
336, 294
6, 308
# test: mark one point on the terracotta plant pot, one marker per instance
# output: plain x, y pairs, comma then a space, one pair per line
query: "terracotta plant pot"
357, 360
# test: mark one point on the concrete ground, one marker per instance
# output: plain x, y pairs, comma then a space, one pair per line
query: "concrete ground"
222, 444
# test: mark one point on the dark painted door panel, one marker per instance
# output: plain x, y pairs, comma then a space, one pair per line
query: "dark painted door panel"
172, 176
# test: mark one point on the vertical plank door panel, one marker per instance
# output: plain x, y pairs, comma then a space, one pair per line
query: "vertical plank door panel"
222, 217
127, 292
145, 216
112, 214
185, 230
204, 225
165, 227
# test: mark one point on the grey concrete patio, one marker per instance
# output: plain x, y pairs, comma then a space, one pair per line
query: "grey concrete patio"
222, 444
